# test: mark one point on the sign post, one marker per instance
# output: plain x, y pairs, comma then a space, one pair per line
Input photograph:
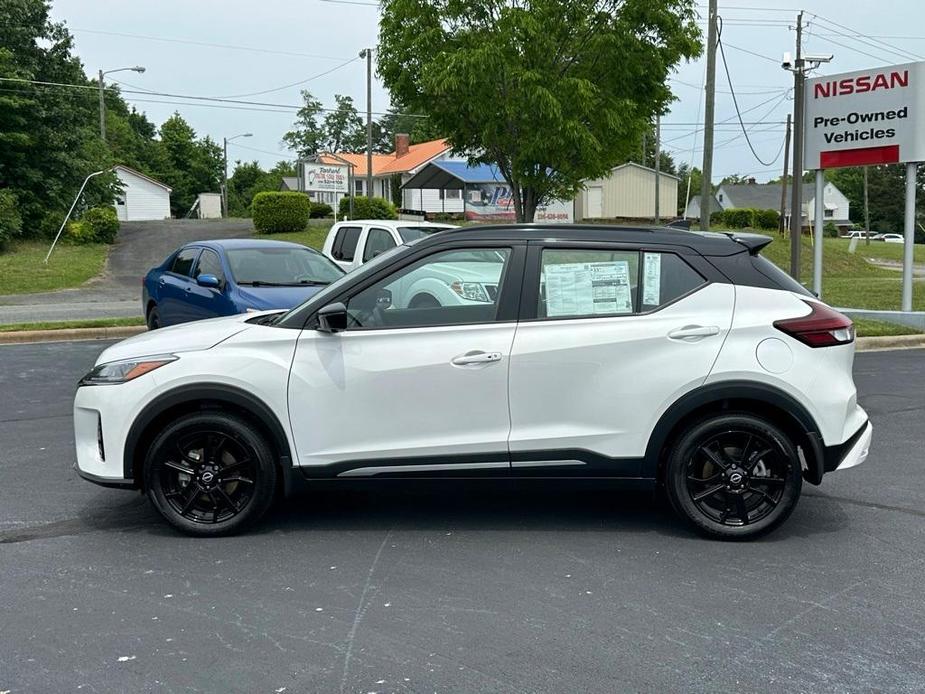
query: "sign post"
819, 233
862, 118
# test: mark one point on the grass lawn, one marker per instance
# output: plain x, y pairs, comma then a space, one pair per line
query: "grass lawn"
22, 270
875, 328
62, 325
879, 250
313, 236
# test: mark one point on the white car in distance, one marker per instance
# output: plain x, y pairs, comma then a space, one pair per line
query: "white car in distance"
352, 243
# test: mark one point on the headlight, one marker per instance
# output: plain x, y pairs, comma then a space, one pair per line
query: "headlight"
473, 291
122, 371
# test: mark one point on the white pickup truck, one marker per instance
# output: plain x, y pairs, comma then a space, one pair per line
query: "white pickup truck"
352, 243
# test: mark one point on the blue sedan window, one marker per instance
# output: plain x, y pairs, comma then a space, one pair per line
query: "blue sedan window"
281, 266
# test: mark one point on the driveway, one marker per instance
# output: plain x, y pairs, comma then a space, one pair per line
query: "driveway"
448, 588
117, 293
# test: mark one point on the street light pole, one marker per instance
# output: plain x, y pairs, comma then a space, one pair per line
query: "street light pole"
368, 54
225, 141
138, 68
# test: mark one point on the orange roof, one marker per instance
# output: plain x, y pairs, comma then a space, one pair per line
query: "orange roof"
385, 164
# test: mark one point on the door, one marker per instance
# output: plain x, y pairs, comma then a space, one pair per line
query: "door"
174, 287
616, 336
208, 302
343, 250
595, 202
421, 390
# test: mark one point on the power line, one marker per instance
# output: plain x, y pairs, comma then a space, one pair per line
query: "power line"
264, 151
862, 38
293, 84
757, 55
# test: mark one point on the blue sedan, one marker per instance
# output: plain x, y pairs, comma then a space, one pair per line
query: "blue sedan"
206, 279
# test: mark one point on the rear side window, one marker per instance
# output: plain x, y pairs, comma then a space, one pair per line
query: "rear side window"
345, 243
588, 283
778, 276
183, 262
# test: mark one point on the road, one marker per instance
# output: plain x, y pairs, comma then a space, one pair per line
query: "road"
442, 588
117, 293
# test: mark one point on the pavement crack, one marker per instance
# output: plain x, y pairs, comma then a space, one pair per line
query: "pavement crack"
869, 504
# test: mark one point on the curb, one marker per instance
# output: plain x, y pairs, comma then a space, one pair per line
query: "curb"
873, 344
71, 334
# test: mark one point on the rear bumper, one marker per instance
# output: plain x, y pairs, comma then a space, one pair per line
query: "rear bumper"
852, 452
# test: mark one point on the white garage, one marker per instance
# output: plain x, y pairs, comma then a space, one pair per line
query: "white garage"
142, 197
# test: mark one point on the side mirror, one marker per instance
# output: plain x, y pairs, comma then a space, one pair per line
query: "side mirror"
332, 318
206, 280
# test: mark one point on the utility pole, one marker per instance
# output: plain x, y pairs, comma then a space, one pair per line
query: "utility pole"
866, 211
706, 185
225, 141
368, 54
782, 224
796, 199
658, 165
644, 157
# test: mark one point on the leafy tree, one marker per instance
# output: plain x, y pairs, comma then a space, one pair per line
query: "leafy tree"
552, 92
344, 130
189, 165
307, 136
886, 194
249, 179
694, 176
399, 119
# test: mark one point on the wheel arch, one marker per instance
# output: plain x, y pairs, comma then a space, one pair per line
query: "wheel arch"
198, 398
738, 396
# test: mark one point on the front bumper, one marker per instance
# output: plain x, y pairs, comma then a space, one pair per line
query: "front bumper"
852, 452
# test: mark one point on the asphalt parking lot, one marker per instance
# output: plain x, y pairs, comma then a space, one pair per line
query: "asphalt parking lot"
475, 589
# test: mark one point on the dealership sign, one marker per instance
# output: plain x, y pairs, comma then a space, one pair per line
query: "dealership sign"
325, 178
865, 117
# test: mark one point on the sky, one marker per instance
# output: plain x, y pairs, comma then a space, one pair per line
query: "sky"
226, 48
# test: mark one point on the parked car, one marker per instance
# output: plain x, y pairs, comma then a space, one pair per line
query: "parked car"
352, 243
207, 279
892, 238
860, 235
655, 357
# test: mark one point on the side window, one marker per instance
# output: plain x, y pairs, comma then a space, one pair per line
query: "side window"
665, 277
580, 283
378, 241
210, 264
183, 262
449, 288
345, 243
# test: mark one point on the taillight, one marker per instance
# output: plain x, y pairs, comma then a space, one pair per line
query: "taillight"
823, 327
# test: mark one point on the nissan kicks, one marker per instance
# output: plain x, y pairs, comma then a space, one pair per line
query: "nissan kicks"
658, 357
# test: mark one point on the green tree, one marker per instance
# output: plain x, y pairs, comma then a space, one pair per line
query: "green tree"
552, 92
249, 179
399, 119
344, 130
692, 175
189, 165
307, 136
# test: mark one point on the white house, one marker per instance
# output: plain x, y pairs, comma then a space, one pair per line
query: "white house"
142, 197
766, 196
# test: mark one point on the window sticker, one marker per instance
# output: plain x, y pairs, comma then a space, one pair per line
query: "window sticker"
575, 289
652, 279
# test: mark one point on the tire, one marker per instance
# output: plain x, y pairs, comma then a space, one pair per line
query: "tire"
424, 301
153, 318
233, 489
734, 476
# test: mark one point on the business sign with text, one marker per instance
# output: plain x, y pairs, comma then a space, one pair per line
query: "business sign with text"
865, 117
325, 178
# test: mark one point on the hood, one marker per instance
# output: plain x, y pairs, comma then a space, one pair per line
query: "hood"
266, 298
186, 337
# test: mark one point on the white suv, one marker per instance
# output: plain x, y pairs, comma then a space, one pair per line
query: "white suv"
352, 243
651, 356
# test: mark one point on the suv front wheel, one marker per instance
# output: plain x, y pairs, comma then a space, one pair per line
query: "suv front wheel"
734, 476
210, 473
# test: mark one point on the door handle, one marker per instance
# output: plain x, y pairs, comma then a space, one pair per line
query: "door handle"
693, 333
476, 357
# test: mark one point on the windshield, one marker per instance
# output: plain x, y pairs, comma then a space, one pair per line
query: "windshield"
409, 234
281, 266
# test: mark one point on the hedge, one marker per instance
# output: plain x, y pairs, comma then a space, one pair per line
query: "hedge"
276, 213
96, 225
767, 219
10, 219
738, 217
367, 208
320, 209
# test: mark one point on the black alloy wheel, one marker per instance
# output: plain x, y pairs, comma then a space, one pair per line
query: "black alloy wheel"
210, 474
734, 476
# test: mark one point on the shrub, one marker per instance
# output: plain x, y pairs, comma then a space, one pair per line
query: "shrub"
830, 230
739, 217
276, 213
103, 222
717, 218
367, 208
320, 209
767, 219
10, 219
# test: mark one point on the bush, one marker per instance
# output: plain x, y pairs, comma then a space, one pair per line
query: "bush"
276, 213
367, 208
830, 230
78, 231
103, 222
717, 218
10, 219
739, 217
767, 219
320, 209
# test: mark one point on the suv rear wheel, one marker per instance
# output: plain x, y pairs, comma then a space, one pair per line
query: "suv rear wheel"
210, 474
734, 476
